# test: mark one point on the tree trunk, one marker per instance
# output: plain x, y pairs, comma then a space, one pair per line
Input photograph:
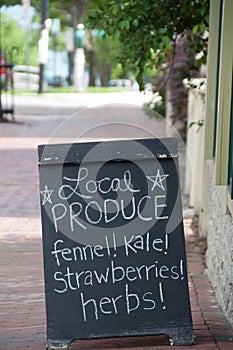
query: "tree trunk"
91, 61
176, 93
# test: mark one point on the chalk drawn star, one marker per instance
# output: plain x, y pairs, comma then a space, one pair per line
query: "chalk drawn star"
158, 180
46, 195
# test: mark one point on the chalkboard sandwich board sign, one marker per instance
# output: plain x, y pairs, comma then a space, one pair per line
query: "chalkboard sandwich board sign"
113, 241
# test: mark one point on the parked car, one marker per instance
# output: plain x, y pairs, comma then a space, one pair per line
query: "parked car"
26, 77
120, 83
57, 81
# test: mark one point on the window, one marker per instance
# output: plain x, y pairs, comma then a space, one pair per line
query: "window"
217, 76
230, 167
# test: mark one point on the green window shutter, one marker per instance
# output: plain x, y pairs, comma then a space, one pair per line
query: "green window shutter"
217, 76
215, 26
230, 167
224, 96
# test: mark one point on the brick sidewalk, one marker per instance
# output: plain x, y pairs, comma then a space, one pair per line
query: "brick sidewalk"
22, 306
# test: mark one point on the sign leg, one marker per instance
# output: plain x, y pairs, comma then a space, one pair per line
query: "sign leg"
56, 346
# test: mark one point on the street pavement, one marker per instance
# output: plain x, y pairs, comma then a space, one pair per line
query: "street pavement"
55, 118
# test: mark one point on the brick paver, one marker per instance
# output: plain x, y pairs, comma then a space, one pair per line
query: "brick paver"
22, 306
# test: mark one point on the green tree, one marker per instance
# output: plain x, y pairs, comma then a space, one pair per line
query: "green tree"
148, 29
13, 37
9, 3
100, 54
157, 34
71, 13
106, 52
12, 40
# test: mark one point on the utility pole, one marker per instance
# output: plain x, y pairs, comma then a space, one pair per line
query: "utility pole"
43, 42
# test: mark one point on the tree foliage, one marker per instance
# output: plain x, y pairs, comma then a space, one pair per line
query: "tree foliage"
9, 3
148, 29
13, 42
106, 52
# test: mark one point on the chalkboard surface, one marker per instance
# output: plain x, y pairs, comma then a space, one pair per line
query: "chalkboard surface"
113, 241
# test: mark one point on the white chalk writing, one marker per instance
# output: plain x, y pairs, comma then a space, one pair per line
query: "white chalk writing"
82, 201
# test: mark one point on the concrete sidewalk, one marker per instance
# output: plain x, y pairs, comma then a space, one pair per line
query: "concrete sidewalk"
22, 305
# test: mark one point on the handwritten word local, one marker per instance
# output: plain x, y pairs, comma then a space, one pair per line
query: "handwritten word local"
146, 208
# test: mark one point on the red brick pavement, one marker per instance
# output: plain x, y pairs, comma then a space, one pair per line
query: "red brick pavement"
22, 307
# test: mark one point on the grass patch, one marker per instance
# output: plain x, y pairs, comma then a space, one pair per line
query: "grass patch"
71, 89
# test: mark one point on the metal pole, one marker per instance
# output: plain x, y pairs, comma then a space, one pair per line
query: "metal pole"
44, 16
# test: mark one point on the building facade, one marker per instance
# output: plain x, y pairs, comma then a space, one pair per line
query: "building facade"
215, 202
